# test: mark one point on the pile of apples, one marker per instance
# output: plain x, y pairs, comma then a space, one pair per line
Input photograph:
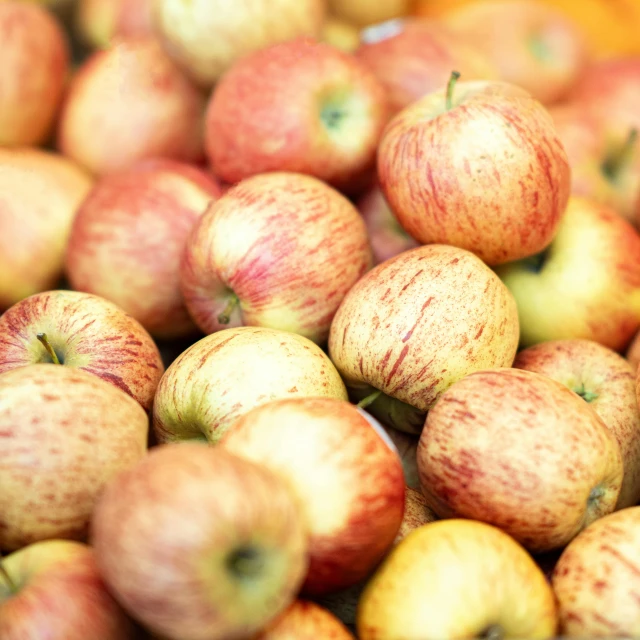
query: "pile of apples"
319, 320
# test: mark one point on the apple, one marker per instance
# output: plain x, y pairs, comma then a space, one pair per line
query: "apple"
278, 250
52, 590
65, 433
633, 352
414, 57
522, 452
586, 284
39, 195
82, 331
35, 63
155, 111
128, 238
478, 166
406, 445
387, 237
368, 12
415, 324
532, 44
607, 382
207, 36
349, 481
457, 579
597, 578
300, 106
224, 375
199, 544
340, 34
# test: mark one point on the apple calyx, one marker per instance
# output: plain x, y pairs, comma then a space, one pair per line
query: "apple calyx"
246, 562
616, 161
332, 116
225, 316
370, 399
536, 262
42, 337
4, 575
587, 396
453, 79
493, 632
594, 497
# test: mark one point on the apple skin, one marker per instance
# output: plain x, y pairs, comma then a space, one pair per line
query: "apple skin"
206, 46
32, 39
348, 479
39, 195
407, 445
586, 284
366, 12
315, 110
340, 34
156, 112
128, 238
65, 434
491, 175
522, 452
633, 352
414, 57
434, 584
170, 535
226, 374
286, 245
61, 596
607, 382
596, 580
86, 332
415, 324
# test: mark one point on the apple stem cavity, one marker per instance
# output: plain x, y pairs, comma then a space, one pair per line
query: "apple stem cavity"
455, 76
47, 345
370, 399
246, 562
4, 574
225, 316
587, 396
493, 632
614, 164
594, 496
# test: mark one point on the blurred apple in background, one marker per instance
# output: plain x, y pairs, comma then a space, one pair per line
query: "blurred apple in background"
278, 250
313, 109
607, 382
633, 352
39, 195
412, 58
65, 434
35, 64
129, 103
586, 284
340, 34
228, 373
207, 36
457, 579
477, 165
82, 331
199, 544
415, 324
56, 592
128, 238
367, 12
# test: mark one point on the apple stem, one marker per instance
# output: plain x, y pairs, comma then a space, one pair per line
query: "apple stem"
47, 345
616, 161
370, 399
4, 574
455, 76
225, 316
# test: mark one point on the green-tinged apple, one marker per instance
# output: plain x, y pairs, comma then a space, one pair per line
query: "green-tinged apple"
477, 165
39, 195
155, 111
607, 382
198, 544
633, 352
226, 374
368, 12
35, 63
207, 36
386, 236
597, 579
522, 452
65, 433
128, 238
317, 110
414, 57
52, 590
415, 324
82, 331
586, 284
457, 579
279, 250
348, 478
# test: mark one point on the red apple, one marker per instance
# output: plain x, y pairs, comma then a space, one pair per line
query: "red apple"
633, 352
128, 238
129, 103
35, 63
478, 166
53, 591
300, 106
82, 331
65, 433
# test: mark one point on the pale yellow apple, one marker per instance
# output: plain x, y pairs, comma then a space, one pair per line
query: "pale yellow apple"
340, 34
366, 12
